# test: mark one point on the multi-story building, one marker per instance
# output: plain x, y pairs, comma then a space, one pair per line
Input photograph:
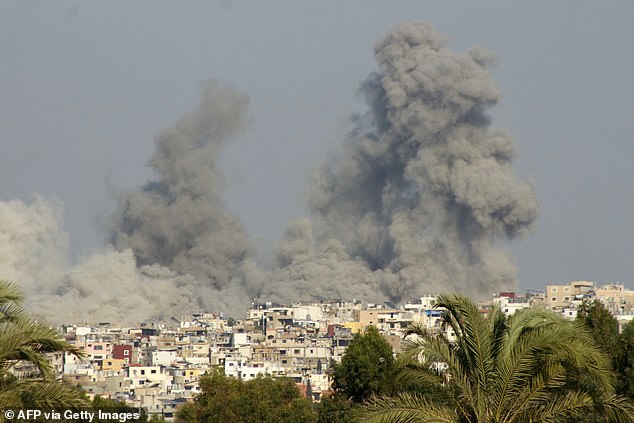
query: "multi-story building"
616, 298
560, 296
122, 352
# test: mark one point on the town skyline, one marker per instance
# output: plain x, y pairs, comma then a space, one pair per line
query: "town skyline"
157, 365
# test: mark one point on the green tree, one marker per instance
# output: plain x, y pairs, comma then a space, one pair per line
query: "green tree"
501, 369
624, 363
619, 347
602, 325
334, 409
261, 400
366, 367
27, 341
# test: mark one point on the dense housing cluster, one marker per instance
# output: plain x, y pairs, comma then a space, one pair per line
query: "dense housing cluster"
157, 365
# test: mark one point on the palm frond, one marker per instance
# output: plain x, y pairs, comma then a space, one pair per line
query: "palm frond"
560, 407
531, 366
10, 292
49, 395
28, 341
474, 347
432, 348
404, 408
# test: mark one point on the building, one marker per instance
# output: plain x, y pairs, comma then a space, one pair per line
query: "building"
560, 296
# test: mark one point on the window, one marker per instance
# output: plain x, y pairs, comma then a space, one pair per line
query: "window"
98, 347
553, 289
153, 371
126, 352
566, 289
566, 298
553, 299
296, 351
142, 372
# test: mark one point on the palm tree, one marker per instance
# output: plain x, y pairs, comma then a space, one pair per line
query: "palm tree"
533, 366
27, 341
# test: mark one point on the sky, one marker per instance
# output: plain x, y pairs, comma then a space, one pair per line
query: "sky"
86, 86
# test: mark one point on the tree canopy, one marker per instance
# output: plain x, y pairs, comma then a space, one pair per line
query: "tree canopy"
532, 366
261, 400
366, 367
625, 361
601, 323
619, 347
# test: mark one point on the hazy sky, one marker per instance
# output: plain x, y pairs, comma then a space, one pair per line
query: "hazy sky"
85, 86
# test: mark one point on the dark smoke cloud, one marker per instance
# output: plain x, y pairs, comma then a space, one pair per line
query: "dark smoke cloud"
423, 186
180, 220
413, 203
326, 272
175, 246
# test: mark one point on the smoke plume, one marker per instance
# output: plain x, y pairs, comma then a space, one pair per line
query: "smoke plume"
413, 203
33, 244
175, 248
180, 221
423, 186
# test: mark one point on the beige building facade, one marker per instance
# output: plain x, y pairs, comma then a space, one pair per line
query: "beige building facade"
560, 296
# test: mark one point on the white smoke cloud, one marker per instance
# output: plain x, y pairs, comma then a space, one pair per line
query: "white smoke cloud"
33, 243
110, 287
104, 287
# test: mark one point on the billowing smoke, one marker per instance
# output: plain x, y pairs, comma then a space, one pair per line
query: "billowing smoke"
415, 202
33, 244
175, 247
423, 185
180, 220
309, 273
110, 287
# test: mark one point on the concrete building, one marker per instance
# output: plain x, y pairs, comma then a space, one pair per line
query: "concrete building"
616, 298
559, 296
